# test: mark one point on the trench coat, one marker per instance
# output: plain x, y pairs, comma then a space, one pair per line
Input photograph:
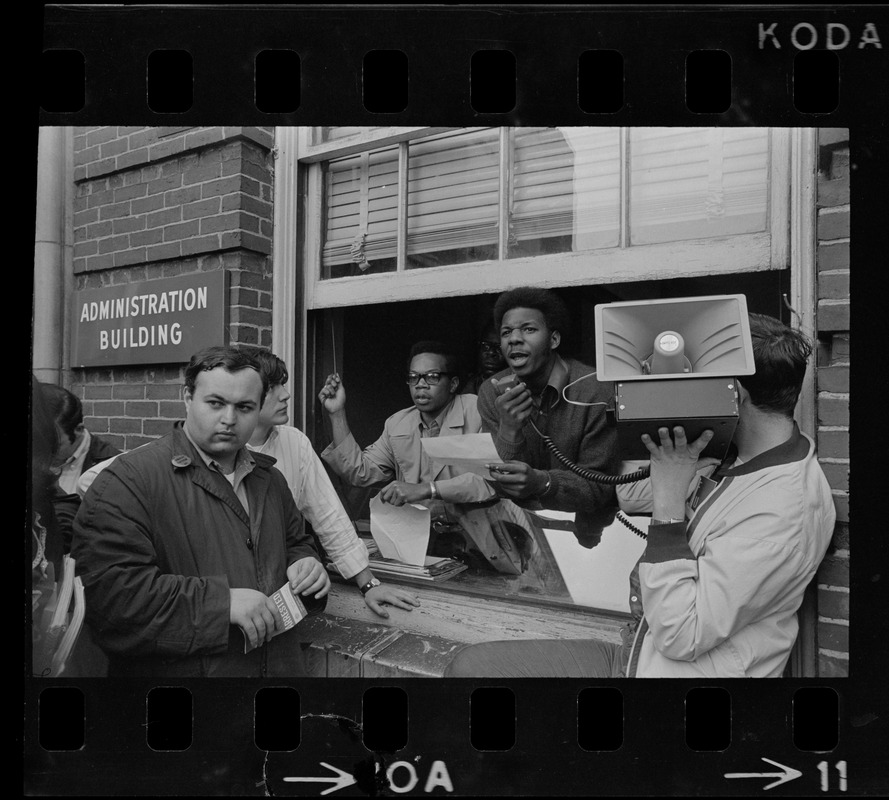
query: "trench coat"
159, 540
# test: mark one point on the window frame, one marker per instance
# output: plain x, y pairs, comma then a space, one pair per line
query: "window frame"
729, 254
792, 213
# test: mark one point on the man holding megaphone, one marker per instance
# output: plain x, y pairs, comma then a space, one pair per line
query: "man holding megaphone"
716, 592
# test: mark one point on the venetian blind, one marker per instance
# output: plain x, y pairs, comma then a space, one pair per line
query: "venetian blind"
692, 183
453, 198
567, 184
361, 212
453, 191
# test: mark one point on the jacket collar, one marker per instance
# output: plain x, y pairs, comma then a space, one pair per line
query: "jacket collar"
186, 456
455, 413
795, 448
557, 381
183, 446
453, 416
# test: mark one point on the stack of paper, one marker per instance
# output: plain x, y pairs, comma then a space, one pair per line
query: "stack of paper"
433, 569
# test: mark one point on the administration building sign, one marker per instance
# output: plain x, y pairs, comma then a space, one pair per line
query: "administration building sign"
160, 321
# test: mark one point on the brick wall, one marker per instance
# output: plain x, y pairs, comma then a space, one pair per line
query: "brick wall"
833, 392
160, 202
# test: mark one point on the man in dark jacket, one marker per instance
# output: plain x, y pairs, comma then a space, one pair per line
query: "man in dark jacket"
542, 393
181, 542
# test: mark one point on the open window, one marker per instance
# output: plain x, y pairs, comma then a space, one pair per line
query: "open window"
410, 234
368, 345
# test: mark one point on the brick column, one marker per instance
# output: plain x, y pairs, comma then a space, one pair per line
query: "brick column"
833, 392
160, 202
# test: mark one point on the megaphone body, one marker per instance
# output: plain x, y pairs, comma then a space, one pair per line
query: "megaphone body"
674, 362
641, 407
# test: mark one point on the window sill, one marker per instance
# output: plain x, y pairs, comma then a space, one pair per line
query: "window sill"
466, 618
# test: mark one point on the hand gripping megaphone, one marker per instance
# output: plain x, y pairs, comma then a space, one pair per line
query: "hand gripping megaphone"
674, 362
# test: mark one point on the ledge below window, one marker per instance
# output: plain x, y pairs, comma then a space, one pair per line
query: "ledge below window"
349, 640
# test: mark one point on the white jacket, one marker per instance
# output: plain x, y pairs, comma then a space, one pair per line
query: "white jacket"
720, 597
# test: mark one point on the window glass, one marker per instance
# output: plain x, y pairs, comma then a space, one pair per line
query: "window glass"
565, 190
694, 183
453, 199
529, 556
360, 214
324, 134
543, 561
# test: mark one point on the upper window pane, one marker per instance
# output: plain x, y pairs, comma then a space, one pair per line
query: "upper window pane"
453, 199
695, 183
360, 214
566, 190
324, 134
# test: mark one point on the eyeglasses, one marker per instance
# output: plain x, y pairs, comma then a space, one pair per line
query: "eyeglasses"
488, 347
431, 378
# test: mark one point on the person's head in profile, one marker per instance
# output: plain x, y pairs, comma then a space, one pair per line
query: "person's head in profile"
780, 355
275, 410
67, 413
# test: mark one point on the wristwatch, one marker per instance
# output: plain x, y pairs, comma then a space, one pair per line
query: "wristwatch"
671, 521
369, 585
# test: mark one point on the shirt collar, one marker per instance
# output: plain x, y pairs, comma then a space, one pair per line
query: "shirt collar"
269, 440
438, 422
794, 448
80, 452
556, 383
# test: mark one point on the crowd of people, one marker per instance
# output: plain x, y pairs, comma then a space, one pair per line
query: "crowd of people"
184, 545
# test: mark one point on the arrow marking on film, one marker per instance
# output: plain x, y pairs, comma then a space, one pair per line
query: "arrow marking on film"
786, 774
340, 781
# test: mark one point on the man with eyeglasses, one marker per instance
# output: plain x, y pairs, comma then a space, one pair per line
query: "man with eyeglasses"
397, 458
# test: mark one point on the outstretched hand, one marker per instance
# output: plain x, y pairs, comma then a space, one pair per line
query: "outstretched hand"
385, 595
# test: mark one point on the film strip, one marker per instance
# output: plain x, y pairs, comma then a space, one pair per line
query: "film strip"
502, 65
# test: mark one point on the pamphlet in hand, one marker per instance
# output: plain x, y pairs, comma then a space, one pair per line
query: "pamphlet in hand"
290, 609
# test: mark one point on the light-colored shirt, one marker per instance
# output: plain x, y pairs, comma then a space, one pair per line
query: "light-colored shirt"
315, 497
86, 480
72, 468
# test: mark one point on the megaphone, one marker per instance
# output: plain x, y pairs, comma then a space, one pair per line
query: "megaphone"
674, 362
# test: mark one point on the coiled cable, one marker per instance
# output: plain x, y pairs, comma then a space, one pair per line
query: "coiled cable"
590, 474
627, 524
597, 477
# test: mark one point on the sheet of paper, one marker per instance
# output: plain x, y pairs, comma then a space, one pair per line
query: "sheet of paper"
401, 532
469, 452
